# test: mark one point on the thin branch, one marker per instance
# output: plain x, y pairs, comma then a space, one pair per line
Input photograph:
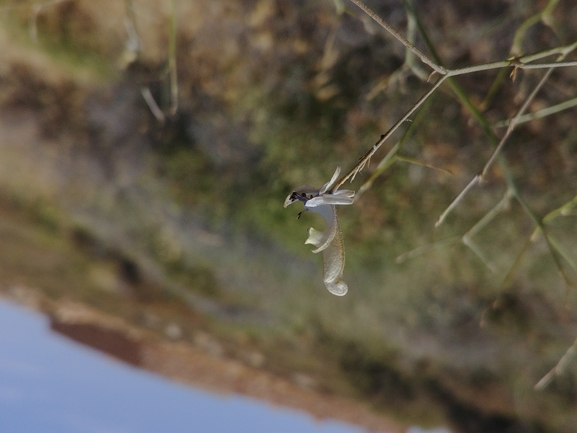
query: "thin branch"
481, 176
467, 241
541, 113
510, 128
391, 156
364, 160
385, 163
489, 216
446, 73
499, 146
562, 49
456, 201
515, 51
514, 121
482, 223
546, 65
504, 166
517, 63
552, 250
561, 210
400, 38
152, 105
558, 369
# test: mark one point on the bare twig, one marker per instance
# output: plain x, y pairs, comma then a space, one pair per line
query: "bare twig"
152, 105
364, 160
489, 216
457, 199
541, 113
561, 210
393, 154
400, 38
558, 369
513, 123
511, 185
521, 63
410, 63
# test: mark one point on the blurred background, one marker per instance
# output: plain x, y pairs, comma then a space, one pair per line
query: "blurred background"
146, 149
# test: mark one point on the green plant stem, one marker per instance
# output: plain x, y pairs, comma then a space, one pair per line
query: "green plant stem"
541, 113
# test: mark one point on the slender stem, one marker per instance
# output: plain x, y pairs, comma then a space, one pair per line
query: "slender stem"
367, 156
456, 201
546, 65
392, 155
499, 207
468, 242
563, 49
561, 210
516, 62
446, 73
505, 63
541, 113
385, 163
514, 121
504, 166
400, 38
154, 108
478, 68
559, 368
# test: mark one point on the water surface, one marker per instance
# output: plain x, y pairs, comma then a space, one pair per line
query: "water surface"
51, 384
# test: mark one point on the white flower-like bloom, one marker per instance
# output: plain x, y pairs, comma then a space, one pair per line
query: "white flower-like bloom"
322, 201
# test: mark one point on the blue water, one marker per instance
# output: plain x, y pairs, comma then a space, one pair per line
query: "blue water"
49, 384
